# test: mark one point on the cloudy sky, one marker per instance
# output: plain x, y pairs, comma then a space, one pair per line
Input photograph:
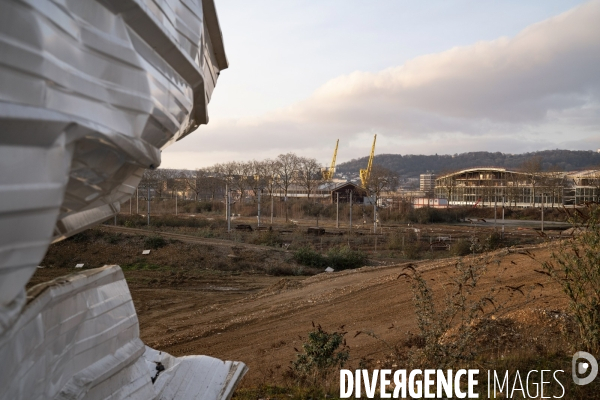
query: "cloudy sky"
427, 77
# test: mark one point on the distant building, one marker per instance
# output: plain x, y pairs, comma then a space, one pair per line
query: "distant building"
343, 190
427, 183
431, 203
488, 186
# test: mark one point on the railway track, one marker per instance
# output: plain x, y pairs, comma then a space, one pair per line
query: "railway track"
188, 238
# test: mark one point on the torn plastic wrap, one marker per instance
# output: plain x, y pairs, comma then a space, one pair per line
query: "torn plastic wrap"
78, 337
91, 91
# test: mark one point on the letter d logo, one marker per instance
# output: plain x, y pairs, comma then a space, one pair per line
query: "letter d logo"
583, 367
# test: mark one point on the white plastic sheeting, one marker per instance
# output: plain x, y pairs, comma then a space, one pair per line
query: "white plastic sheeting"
190, 376
90, 92
78, 337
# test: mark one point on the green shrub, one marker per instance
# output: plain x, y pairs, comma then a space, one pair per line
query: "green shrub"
81, 237
154, 242
395, 241
307, 256
412, 250
343, 257
323, 353
206, 232
461, 248
338, 258
266, 238
576, 268
447, 328
493, 242
129, 224
113, 239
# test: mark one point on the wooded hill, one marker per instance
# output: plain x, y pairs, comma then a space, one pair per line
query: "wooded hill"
412, 165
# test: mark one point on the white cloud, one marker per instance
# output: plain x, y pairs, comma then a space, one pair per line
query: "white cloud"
511, 94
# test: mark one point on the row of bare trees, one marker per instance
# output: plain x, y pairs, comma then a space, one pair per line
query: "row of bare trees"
250, 177
278, 175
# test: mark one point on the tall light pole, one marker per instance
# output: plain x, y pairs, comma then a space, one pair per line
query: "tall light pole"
271, 207
495, 210
502, 217
228, 207
259, 192
542, 212
350, 211
337, 213
148, 205
375, 215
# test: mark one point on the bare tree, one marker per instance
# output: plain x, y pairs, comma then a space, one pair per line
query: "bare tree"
175, 181
156, 180
271, 175
554, 181
448, 184
309, 174
513, 189
380, 181
203, 180
193, 182
287, 169
214, 183
259, 178
533, 169
242, 180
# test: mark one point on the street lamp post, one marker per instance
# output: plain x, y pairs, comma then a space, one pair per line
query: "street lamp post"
350, 211
259, 192
375, 215
228, 207
337, 213
148, 205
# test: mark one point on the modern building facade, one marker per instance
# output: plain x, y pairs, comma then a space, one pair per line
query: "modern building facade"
427, 183
489, 185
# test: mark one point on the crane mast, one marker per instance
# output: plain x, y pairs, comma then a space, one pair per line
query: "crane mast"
366, 173
328, 174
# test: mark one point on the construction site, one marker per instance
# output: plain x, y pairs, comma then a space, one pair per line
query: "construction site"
247, 276
244, 266
265, 279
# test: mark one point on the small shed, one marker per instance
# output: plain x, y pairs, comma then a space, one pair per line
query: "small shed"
344, 189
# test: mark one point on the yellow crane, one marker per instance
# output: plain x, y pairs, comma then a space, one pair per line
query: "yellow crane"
366, 173
328, 173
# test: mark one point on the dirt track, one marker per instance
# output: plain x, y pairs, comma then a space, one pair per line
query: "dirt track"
186, 238
238, 312
259, 319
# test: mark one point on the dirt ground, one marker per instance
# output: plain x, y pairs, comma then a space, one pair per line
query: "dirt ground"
244, 314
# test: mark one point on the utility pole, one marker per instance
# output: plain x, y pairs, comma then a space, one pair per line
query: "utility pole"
495, 211
259, 191
375, 215
176, 202
271, 207
350, 211
502, 217
228, 208
542, 212
148, 206
337, 213
137, 201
